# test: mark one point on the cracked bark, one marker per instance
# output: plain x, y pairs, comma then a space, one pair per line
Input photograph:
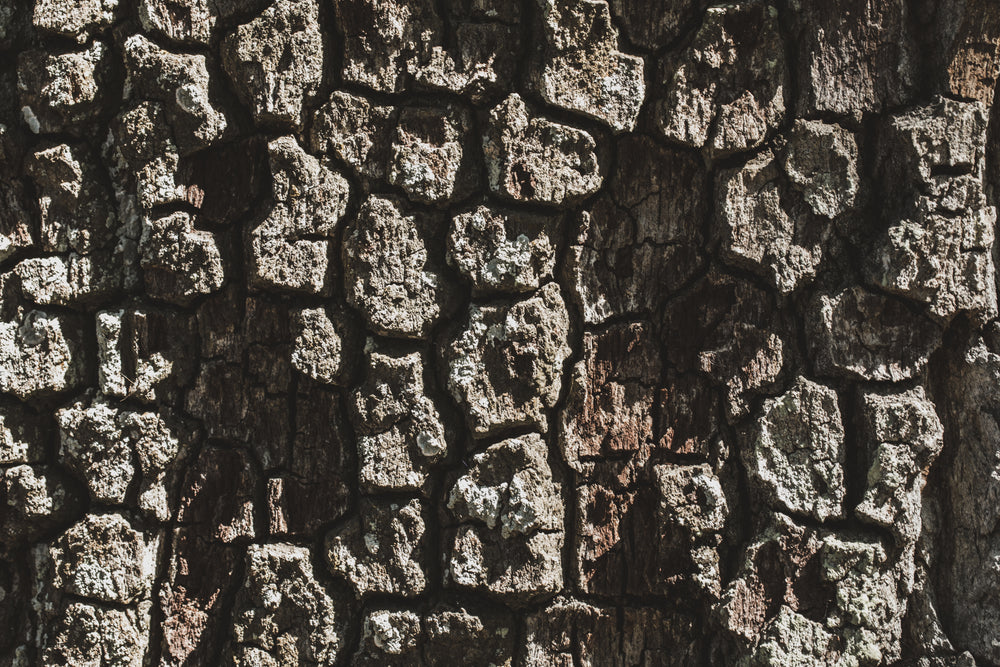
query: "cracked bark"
546, 332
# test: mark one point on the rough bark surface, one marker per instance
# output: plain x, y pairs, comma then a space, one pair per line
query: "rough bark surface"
499, 332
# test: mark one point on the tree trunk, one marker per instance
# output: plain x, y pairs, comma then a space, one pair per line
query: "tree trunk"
510, 332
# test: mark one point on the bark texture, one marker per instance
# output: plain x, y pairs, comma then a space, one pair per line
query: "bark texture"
499, 332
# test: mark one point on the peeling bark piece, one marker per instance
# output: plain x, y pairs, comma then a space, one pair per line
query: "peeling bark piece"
938, 246
181, 83
727, 330
726, 91
511, 514
36, 501
161, 441
152, 346
383, 549
81, 631
901, 435
70, 280
40, 354
394, 46
355, 130
93, 447
480, 66
853, 57
568, 628
501, 250
691, 512
401, 435
184, 21
519, 572
457, 633
642, 240
326, 344
795, 452
792, 639
600, 635
821, 161
505, 364
76, 211
65, 92
649, 532
308, 201
871, 584
143, 157
929, 147
801, 590
652, 24
580, 68
115, 349
861, 334
926, 258
510, 485
283, 612
609, 409
179, 262
391, 273
75, 19
751, 363
971, 489
390, 638
532, 159
384, 40
276, 61
927, 150
100, 558
780, 569
427, 155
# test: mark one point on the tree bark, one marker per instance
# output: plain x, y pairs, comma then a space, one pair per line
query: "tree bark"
510, 332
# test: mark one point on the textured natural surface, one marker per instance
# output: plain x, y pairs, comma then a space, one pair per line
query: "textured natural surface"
542, 333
